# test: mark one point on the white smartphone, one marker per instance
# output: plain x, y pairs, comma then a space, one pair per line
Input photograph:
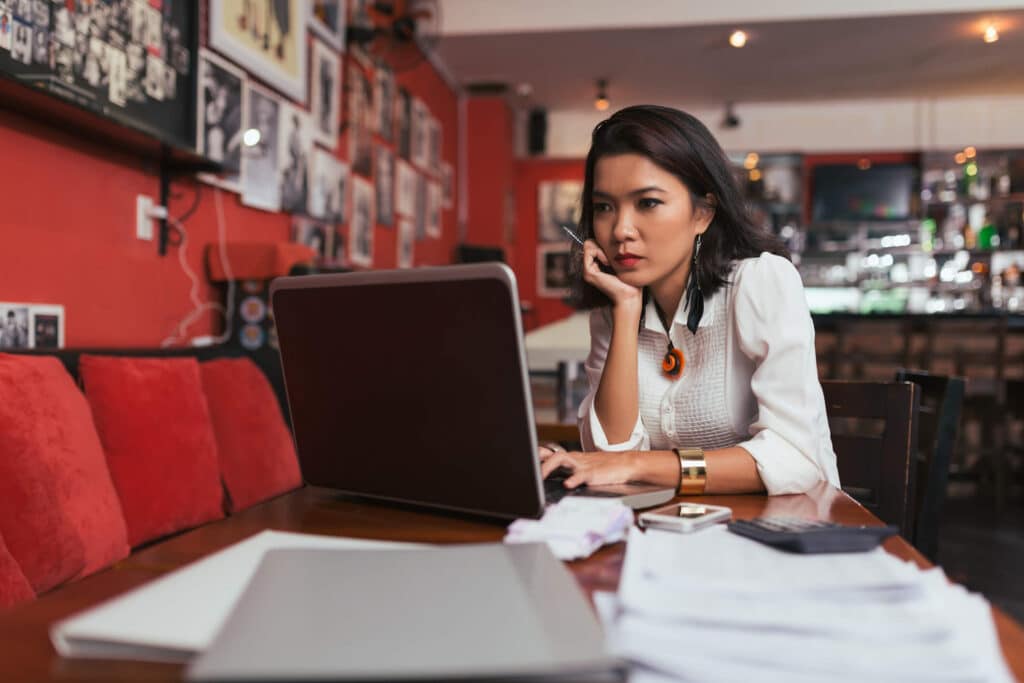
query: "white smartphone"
684, 517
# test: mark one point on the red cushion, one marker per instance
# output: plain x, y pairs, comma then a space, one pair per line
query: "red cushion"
46, 470
257, 456
14, 587
152, 418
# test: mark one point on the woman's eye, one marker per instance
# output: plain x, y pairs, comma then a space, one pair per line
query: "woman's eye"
602, 207
648, 203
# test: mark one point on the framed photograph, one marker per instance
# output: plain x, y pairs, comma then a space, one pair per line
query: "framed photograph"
315, 235
261, 172
327, 19
434, 145
384, 101
433, 209
419, 134
325, 100
384, 176
360, 115
221, 118
420, 211
406, 200
406, 241
14, 326
447, 186
31, 326
403, 123
327, 182
553, 270
267, 38
558, 206
294, 154
46, 327
360, 227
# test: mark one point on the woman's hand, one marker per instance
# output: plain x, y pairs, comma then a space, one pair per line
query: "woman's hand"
606, 280
589, 468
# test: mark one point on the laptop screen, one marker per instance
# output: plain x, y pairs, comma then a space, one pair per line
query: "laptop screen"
410, 386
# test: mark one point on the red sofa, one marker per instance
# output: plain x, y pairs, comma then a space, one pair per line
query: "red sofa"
102, 452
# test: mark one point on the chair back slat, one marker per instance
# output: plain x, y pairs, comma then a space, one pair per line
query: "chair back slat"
874, 434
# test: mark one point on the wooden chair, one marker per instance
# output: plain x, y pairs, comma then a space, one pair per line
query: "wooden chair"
874, 433
939, 420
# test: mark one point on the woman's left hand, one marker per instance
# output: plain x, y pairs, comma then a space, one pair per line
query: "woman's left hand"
589, 468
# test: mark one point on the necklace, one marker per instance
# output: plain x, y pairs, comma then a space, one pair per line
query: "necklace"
673, 363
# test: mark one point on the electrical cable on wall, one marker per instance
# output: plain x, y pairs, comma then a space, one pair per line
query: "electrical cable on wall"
200, 307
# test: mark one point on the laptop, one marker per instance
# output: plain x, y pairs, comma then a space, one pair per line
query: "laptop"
411, 386
459, 613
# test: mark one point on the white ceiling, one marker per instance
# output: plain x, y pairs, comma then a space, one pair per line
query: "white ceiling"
688, 62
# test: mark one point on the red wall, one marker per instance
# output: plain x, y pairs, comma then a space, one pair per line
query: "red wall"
68, 229
491, 171
529, 174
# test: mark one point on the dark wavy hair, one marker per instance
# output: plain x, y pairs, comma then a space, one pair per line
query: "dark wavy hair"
680, 144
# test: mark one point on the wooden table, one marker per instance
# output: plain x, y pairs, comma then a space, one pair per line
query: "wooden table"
27, 655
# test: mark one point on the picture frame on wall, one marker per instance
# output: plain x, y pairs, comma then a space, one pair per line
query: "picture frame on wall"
558, 206
553, 270
406, 242
325, 98
361, 223
327, 19
221, 118
273, 47
261, 180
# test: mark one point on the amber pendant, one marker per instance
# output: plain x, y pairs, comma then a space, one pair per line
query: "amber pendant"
673, 362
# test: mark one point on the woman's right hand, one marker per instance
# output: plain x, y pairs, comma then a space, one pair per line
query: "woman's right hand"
606, 280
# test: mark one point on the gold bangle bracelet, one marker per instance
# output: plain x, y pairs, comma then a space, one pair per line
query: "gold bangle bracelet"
693, 472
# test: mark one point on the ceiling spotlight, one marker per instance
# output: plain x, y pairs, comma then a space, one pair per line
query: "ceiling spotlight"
970, 152
601, 102
750, 162
991, 34
959, 157
251, 137
738, 38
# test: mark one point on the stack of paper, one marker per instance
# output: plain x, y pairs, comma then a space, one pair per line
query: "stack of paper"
575, 526
714, 606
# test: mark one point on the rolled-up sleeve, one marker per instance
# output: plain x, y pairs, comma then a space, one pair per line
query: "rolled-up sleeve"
774, 330
592, 436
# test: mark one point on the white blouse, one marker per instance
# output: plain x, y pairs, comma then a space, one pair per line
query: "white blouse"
750, 379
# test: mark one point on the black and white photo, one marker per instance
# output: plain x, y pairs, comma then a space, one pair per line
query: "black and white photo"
325, 100
360, 228
117, 76
295, 148
434, 145
154, 83
406, 242
21, 42
41, 46
325, 186
558, 207
384, 101
6, 29
553, 271
420, 212
433, 209
360, 135
419, 133
327, 19
313, 234
384, 177
447, 186
403, 123
261, 181
14, 326
220, 115
406, 195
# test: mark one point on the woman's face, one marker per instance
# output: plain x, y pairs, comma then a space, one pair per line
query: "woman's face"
645, 220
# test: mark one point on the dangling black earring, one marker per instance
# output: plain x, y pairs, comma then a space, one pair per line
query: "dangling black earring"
694, 297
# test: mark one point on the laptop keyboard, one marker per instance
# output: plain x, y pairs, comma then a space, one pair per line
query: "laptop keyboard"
554, 490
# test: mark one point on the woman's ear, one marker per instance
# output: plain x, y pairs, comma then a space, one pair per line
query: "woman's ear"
705, 214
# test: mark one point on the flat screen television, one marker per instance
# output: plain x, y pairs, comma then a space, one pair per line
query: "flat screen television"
881, 192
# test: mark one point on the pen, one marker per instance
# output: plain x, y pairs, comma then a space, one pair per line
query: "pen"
570, 233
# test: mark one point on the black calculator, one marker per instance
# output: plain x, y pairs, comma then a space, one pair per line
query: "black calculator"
810, 536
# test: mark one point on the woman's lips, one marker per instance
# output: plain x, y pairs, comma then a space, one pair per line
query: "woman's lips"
627, 260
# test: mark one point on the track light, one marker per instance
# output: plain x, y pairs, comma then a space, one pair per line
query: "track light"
601, 102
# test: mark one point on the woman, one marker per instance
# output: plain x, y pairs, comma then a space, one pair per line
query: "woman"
702, 365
